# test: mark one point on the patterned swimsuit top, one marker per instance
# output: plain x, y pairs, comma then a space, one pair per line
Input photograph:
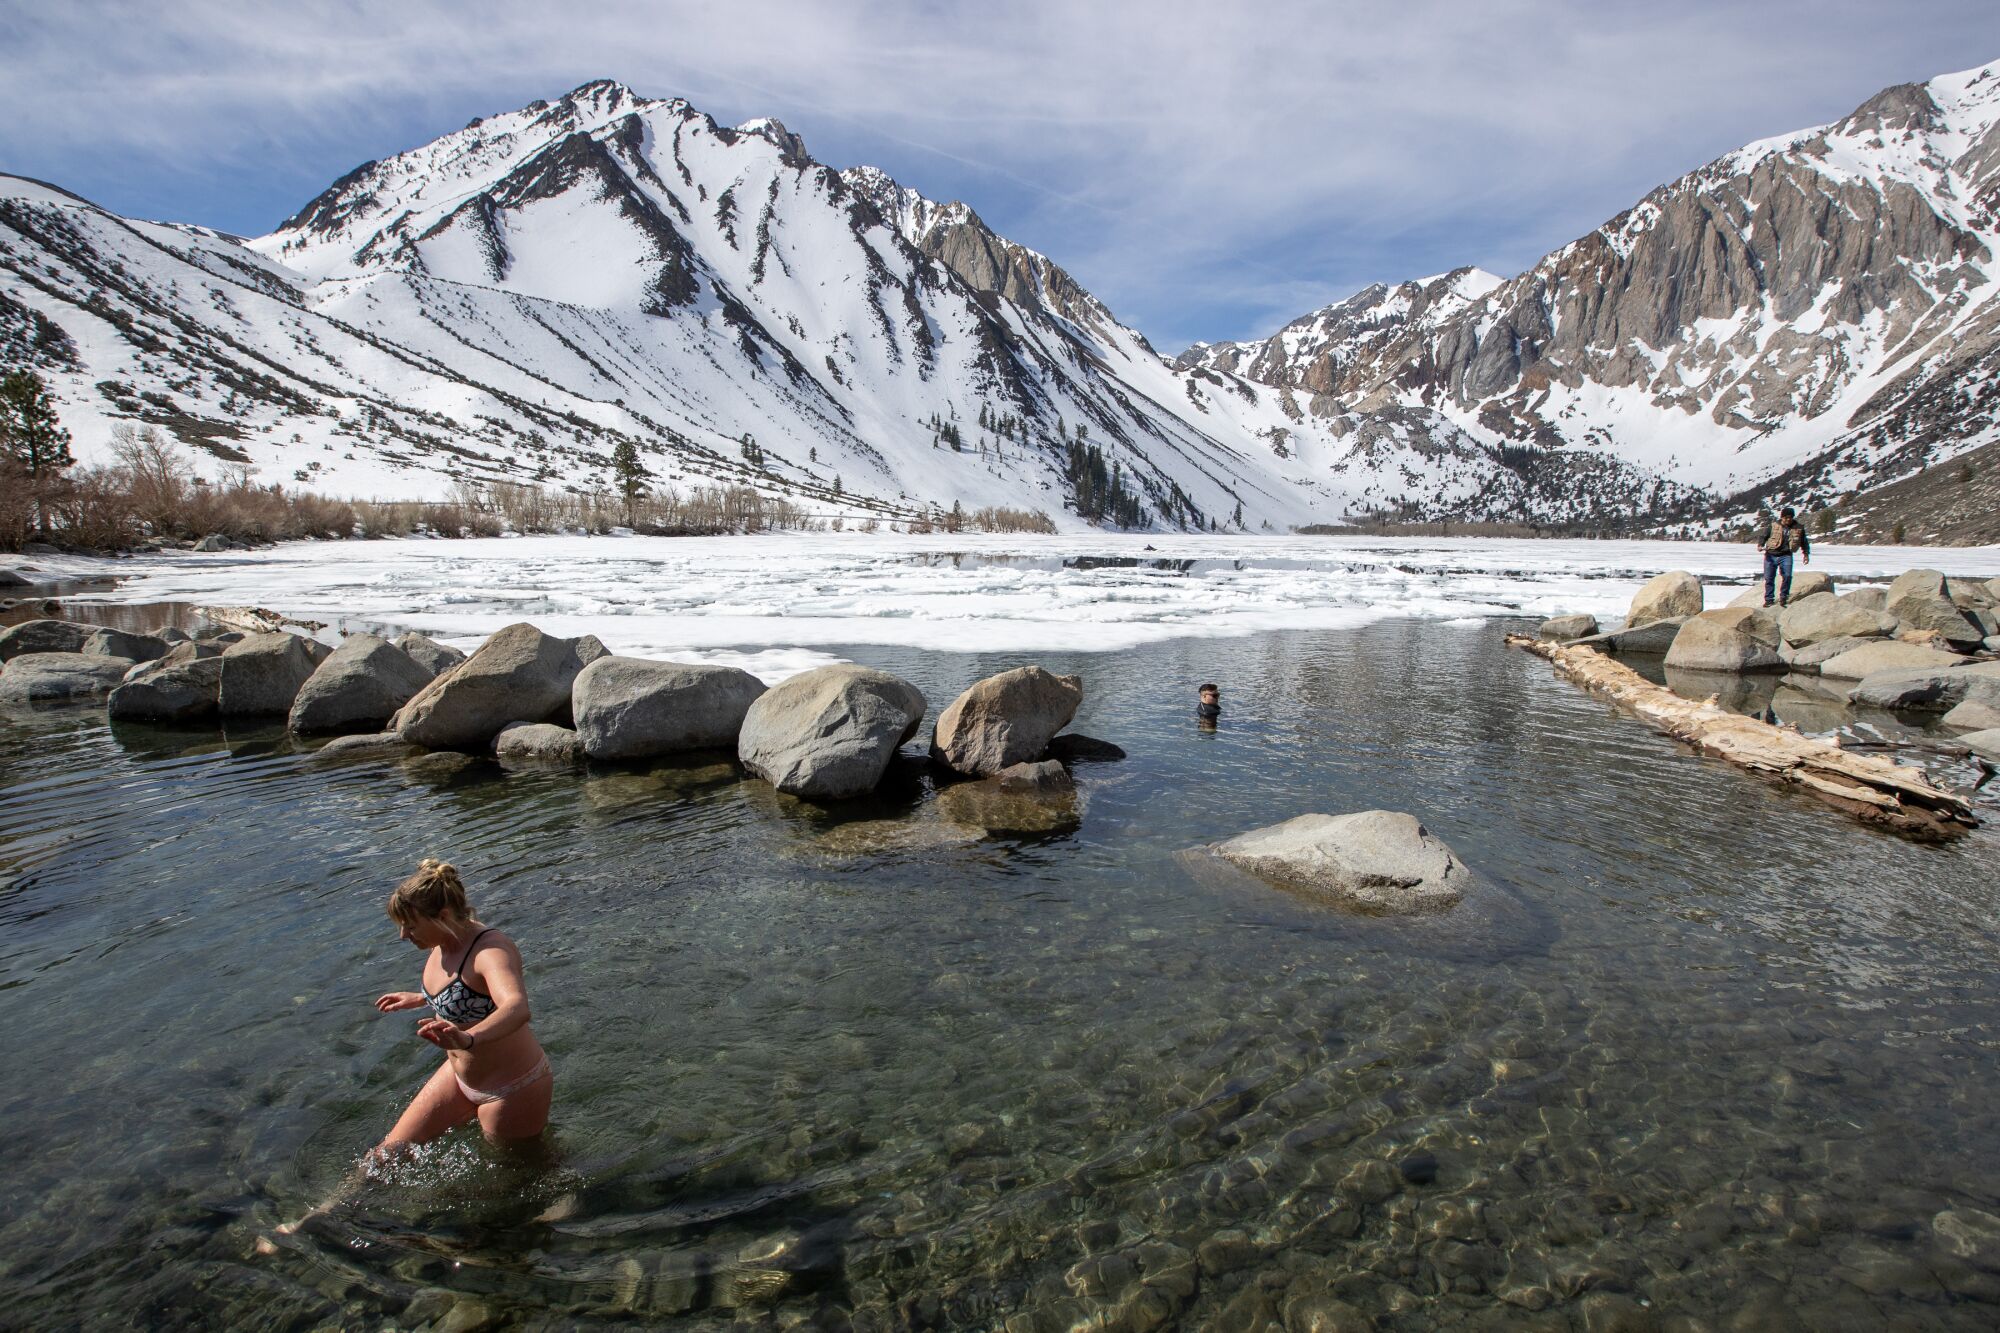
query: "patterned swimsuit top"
456, 1001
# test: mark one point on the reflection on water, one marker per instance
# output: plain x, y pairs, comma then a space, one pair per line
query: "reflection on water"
860, 1067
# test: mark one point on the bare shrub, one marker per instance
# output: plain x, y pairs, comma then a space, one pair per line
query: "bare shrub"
1001, 519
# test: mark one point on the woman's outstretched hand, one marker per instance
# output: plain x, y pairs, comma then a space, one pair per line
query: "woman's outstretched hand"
444, 1034
399, 999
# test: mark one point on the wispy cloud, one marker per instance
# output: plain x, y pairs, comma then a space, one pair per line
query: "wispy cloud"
1210, 170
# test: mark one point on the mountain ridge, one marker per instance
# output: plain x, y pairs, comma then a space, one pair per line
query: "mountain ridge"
514, 299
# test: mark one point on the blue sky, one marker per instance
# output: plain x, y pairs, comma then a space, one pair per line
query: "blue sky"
1210, 170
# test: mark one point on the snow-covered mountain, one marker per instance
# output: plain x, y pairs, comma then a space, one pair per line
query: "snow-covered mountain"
1811, 314
515, 299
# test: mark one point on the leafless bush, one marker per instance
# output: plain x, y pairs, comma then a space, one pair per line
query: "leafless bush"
1011, 520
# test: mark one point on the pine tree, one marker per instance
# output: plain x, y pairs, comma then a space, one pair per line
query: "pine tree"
631, 474
32, 436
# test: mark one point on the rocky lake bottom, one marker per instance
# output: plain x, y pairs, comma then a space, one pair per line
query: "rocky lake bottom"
1720, 1058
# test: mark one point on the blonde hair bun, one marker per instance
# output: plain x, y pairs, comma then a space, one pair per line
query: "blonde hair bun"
434, 893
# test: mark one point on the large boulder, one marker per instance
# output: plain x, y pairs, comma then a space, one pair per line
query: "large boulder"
1875, 598
1735, 639
1970, 594
1985, 744
1005, 720
1564, 628
43, 636
50, 677
518, 675
829, 733
1931, 689
432, 656
262, 673
632, 708
1810, 583
359, 686
118, 643
1942, 615
1668, 596
1884, 655
1654, 638
1924, 583
536, 743
170, 690
1380, 861
364, 745
1824, 616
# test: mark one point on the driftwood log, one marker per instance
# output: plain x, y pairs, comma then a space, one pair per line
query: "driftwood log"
254, 619
1870, 788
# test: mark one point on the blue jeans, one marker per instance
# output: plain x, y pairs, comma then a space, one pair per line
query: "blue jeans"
1775, 565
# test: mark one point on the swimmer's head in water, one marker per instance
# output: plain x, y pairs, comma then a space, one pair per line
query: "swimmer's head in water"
434, 893
1209, 694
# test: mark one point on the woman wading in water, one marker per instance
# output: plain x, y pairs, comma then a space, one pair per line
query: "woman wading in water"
493, 1066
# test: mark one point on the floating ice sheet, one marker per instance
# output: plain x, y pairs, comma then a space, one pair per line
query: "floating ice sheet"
771, 603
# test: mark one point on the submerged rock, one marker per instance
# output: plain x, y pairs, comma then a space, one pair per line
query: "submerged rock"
829, 733
1005, 719
361, 684
366, 744
53, 677
1673, 595
1379, 861
519, 674
633, 708
1074, 748
880, 837
1022, 798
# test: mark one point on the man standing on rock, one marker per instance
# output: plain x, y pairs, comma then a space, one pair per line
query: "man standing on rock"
1781, 539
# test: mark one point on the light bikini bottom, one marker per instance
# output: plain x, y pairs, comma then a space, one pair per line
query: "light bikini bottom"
479, 1098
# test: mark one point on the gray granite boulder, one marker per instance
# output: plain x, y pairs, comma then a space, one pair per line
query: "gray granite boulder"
1076, 748
1941, 615
1808, 657
1734, 639
1885, 655
1925, 583
829, 733
632, 708
52, 677
536, 743
214, 541
1985, 744
43, 636
1670, 596
1931, 689
1874, 598
171, 690
1824, 616
1974, 714
589, 648
518, 675
1378, 861
175, 634
131, 647
1809, 583
363, 745
432, 656
186, 651
1562, 629
262, 673
1005, 720
359, 686
1654, 638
